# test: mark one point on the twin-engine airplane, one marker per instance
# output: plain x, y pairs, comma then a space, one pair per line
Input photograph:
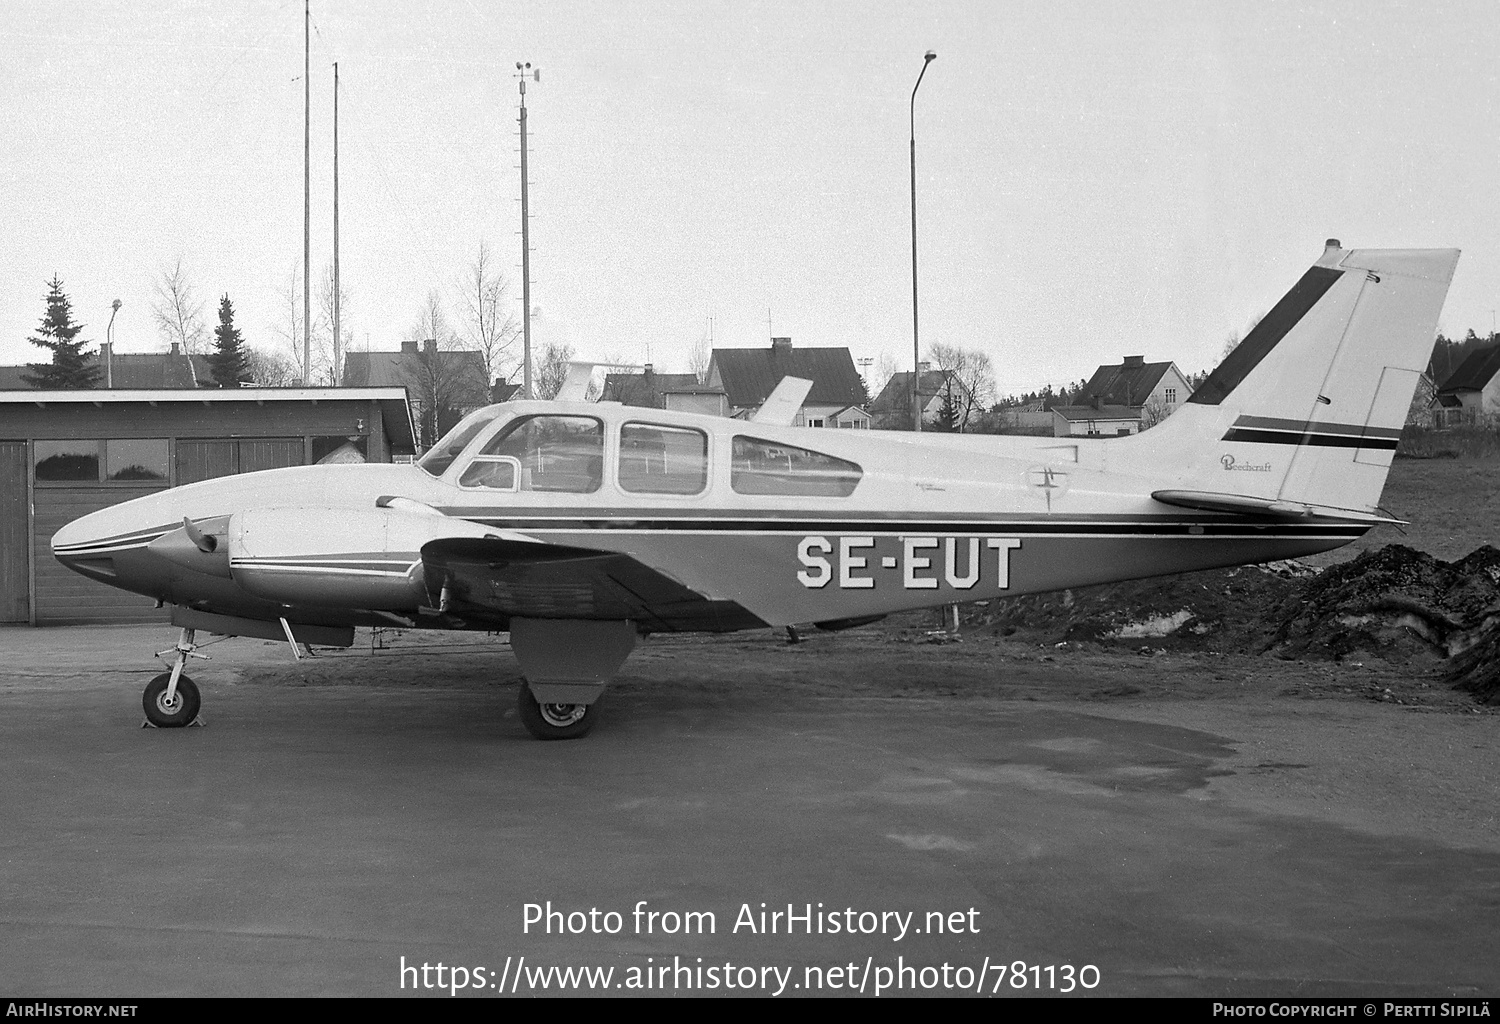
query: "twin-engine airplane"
578, 526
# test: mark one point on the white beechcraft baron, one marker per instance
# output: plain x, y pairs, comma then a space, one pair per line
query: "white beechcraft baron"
579, 526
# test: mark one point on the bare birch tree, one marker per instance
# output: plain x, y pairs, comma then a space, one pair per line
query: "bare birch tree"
885, 369
288, 325
177, 310
272, 369
552, 370
443, 381
968, 382
700, 357
485, 320
327, 358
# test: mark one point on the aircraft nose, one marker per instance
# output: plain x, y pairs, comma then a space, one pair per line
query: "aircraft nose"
82, 534
91, 544
84, 545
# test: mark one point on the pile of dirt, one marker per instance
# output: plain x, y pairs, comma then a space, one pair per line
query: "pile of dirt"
1393, 604
1216, 609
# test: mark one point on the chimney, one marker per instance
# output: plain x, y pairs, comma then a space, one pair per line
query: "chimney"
1096, 401
781, 346
1134, 361
176, 349
647, 371
408, 348
106, 359
429, 345
924, 367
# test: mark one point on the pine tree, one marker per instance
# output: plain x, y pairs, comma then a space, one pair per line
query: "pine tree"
229, 363
71, 367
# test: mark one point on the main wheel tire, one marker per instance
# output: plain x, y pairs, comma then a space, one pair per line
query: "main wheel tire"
180, 711
554, 721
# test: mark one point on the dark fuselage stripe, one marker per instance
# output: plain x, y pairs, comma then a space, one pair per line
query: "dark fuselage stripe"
1252, 527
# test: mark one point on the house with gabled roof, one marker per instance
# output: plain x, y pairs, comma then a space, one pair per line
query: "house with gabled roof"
1149, 392
1097, 419
749, 375
444, 385
1471, 394
677, 391
892, 408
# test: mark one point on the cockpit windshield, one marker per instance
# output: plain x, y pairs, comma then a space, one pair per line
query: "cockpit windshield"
442, 454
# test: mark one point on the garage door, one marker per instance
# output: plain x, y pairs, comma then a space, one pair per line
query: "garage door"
62, 595
15, 576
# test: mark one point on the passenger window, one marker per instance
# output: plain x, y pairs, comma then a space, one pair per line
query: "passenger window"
552, 453
663, 460
766, 467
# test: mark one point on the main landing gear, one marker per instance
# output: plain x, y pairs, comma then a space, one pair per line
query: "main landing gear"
171, 700
554, 721
566, 663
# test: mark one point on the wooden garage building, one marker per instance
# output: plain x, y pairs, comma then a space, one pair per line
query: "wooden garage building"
64, 454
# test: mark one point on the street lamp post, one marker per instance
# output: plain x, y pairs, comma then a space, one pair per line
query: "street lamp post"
523, 69
109, 336
916, 345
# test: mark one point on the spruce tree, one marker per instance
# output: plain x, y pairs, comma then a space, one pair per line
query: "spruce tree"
71, 367
229, 363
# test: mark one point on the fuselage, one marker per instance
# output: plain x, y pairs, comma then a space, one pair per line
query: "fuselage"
787, 524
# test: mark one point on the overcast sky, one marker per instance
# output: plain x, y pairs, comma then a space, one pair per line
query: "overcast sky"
1093, 179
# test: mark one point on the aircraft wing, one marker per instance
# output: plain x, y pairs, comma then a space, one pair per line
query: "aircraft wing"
540, 580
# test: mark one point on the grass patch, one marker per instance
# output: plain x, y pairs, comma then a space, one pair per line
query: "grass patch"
1462, 442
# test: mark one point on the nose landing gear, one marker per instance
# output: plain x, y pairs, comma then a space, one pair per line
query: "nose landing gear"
171, 700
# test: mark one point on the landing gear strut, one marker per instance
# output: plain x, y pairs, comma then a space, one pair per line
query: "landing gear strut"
554, 721
171, 700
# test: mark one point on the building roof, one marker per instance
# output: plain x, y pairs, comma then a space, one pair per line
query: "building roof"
396, 369
132, 370
1103, 411
647, 390
395, 414
1129, 383
1475, 372
896, 395
749, 375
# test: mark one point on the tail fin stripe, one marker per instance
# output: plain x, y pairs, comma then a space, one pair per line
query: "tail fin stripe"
1317, 439
1274, 326
1301, 426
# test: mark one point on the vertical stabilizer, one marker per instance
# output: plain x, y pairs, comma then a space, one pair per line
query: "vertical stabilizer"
1310, 406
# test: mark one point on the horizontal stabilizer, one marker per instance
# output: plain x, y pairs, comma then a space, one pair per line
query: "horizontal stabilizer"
575, 386
780, 407
1243, 504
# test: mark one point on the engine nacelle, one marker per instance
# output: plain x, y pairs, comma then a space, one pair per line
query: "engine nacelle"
345, 557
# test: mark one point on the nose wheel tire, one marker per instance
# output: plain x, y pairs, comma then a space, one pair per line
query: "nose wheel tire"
173, 714
554, 721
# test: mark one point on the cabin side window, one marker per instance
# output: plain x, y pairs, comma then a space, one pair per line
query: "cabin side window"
770, 467
551, 453
663, 460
